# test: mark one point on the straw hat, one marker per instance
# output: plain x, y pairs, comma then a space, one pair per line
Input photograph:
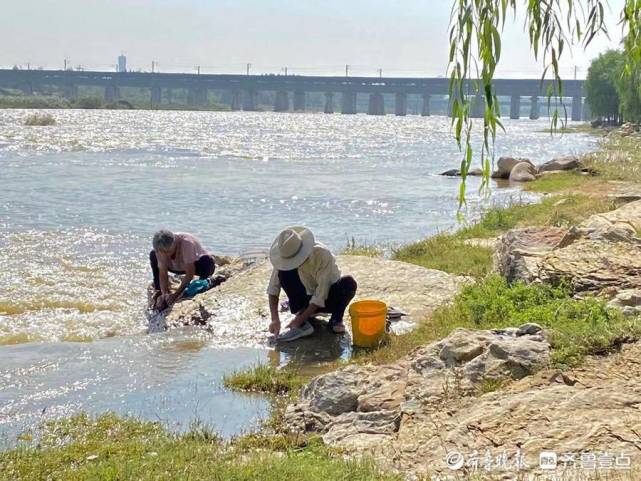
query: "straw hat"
291, 248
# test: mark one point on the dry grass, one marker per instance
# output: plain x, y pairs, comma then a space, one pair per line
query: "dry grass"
618, 159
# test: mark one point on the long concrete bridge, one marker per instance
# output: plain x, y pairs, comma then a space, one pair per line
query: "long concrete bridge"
290, 90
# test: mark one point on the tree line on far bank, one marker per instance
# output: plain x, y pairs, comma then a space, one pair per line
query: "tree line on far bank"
613, 97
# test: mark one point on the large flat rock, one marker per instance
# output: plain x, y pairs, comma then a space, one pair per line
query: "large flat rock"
237, 311
602, 256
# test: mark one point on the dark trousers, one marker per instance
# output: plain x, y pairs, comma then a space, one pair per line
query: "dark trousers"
205, 267
340, 294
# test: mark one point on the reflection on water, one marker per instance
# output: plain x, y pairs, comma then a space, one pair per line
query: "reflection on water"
70, 285
173, 378
322, 347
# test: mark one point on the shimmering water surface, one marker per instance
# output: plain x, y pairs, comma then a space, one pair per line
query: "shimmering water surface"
81, 199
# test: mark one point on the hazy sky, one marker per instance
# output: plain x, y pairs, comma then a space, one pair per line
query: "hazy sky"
404, 37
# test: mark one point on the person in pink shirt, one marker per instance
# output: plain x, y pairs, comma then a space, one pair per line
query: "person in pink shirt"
179, 253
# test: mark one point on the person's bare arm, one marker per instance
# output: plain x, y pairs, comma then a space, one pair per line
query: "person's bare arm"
274, 327
187, 278
302, 317
163, 274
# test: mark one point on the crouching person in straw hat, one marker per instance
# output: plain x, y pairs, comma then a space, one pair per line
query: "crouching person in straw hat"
306, 270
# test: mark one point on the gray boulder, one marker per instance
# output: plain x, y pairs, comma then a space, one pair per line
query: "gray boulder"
335, 393
564, 163
505, 165
519, 251
523, 172
457, 173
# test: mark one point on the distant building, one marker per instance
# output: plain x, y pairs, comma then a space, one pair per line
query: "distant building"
122, 63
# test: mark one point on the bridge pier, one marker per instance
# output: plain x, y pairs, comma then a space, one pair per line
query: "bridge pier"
587, 113
70, 91
300, 101
197, 96
249, 100
329, 103
169, 94
400, 104
27, 89
515, 107
281, 102
348, 103
376, 104
477, 109
534, 108
156, 95
425, 110
236, 101
112, 93
577, 103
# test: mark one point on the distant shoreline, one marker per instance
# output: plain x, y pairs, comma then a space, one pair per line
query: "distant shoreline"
95, 103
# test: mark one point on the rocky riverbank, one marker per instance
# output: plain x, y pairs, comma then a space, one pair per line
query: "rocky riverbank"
412, 413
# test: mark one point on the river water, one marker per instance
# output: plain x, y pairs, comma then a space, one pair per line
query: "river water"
80, 201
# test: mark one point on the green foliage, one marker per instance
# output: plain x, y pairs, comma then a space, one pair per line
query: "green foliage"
618, 159
576, 327
557, 182
461, 253
264, 378
556, 211
32, 102
88, 103
630, 88
604, 74
553, 26
109, 448
449, 253
354, 249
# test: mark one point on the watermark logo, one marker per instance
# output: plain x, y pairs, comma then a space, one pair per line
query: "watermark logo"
454, 460
548, 460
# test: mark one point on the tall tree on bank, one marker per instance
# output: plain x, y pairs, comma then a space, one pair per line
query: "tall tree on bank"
601, 85
553, 27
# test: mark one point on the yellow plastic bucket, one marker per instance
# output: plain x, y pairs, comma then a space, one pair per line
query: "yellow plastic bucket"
368, 322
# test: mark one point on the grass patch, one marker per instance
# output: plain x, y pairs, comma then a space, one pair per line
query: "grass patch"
554, 211
264, 378
560, 181
489, 384
577, 327
39, 120
354, 249
449, 253
367, 251
112, 448
584, 128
